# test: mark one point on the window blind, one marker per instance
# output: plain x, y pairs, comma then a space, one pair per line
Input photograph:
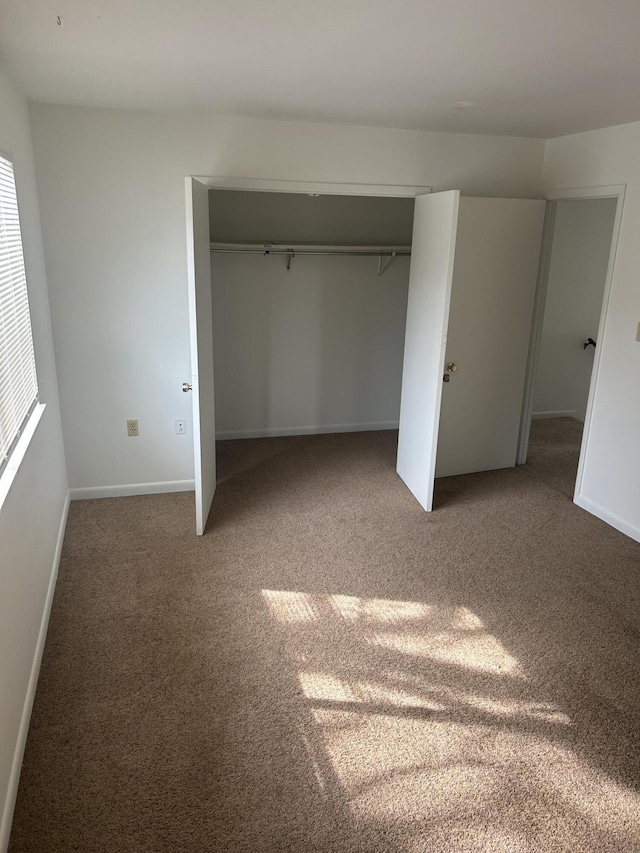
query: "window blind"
18, 380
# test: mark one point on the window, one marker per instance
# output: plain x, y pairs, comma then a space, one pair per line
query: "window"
18, 380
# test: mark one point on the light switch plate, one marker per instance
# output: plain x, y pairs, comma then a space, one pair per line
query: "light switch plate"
638, 333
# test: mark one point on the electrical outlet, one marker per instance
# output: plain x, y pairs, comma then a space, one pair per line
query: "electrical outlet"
132, 427
181, 426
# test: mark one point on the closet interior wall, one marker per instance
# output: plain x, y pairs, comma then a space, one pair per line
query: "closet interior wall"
317, 347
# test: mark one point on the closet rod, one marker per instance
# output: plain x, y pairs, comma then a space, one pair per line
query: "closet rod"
267, 251
309, 249
379, 252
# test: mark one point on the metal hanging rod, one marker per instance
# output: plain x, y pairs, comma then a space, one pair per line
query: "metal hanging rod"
309, 249
380, 252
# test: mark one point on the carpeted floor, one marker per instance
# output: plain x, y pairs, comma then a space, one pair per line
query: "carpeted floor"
554, 449
330, 669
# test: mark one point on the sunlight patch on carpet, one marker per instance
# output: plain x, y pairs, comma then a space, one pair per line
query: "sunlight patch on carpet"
423, 720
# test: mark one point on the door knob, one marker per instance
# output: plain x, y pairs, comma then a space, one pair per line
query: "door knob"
186, 387
452, 367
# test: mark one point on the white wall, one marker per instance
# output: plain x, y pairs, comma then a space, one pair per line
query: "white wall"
315, 348
318, 347
34, 509
577, 271
611, 486
111, 187
254, 217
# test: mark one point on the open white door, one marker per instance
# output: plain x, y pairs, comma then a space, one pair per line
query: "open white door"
494, 284
432, 254
201, 331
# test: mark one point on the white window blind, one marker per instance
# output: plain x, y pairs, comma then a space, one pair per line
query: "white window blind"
18, 380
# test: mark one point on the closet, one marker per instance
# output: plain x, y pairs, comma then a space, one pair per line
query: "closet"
309, 310
334, 313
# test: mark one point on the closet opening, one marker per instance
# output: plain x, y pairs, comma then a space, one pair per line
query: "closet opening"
309, 300
581, 232
357, 310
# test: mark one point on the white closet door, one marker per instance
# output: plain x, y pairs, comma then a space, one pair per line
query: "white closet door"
494, 282
201, 333
432, 253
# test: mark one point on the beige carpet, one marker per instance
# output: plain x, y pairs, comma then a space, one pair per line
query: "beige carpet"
554, 449
331, 669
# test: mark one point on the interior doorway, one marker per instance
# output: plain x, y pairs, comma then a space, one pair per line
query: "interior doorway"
199, 282
575, 273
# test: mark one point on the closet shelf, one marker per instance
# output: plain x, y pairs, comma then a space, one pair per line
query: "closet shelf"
293, 249
309, 248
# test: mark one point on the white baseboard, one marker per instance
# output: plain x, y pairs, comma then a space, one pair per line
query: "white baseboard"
132, 489
609, 517
271, 432
539, 416
16, 766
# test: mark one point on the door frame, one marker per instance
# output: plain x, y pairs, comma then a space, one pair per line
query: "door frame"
220, 182
616, 191
286, 186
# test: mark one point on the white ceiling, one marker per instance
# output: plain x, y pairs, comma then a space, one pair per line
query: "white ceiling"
528, 67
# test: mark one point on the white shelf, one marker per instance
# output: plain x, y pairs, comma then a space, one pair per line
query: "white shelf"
309, 249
